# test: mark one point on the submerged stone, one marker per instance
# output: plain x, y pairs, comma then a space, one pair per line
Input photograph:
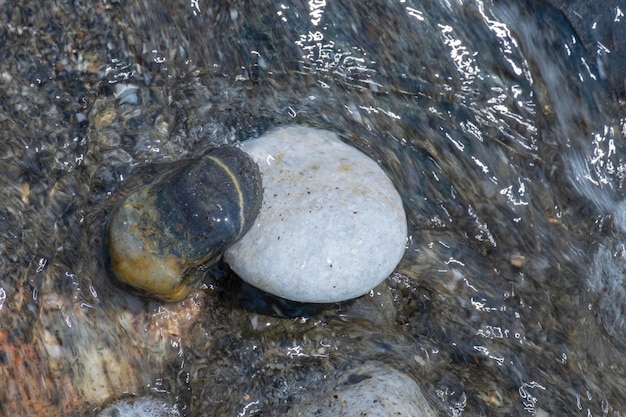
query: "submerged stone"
372, 390
331, 227
160, 236
148, 406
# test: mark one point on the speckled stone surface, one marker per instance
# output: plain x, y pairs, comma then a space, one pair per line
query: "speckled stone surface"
331, 226
373, 390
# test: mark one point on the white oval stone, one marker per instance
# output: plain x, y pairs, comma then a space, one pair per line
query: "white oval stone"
331, 227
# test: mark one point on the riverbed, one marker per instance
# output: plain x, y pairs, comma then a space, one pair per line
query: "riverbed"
502, 133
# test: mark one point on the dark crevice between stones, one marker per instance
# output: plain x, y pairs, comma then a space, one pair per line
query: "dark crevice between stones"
232, 289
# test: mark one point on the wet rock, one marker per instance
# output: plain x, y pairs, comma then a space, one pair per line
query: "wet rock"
141, 407
607, 280
331, 227
162, 235
601, 27
372, 390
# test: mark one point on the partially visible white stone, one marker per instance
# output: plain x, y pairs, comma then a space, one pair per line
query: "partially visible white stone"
332, 226
372, 390
141, 407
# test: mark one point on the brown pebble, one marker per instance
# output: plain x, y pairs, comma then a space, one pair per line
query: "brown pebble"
518, 260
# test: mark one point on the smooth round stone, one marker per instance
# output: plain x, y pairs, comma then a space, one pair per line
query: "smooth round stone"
162, 236
372, 390
331, 226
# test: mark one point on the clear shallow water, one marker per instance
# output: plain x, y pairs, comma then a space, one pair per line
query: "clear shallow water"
504, 141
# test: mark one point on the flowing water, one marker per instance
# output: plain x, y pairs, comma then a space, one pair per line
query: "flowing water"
503, 138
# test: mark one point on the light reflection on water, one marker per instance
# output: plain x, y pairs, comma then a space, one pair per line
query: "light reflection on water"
489, 119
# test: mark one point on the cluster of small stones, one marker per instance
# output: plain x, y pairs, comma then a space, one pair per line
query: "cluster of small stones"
331, 227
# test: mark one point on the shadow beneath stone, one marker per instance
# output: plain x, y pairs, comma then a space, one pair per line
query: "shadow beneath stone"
230, 288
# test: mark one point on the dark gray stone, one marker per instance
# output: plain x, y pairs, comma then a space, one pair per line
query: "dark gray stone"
601, 26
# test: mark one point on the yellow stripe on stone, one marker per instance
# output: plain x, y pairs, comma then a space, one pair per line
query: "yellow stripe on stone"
233, 178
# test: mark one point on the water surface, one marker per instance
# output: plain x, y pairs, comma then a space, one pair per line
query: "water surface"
503, 138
